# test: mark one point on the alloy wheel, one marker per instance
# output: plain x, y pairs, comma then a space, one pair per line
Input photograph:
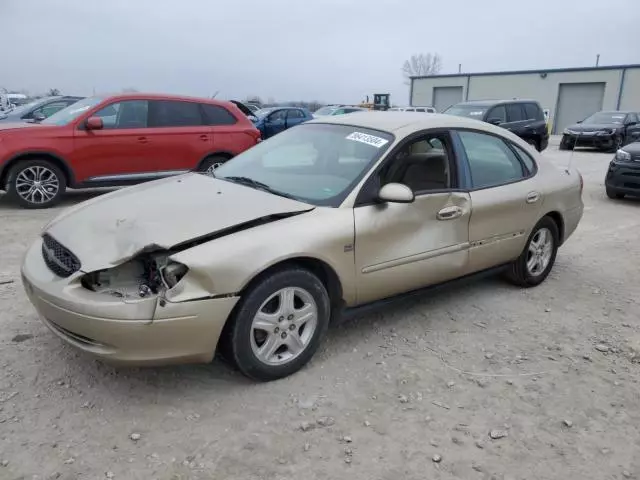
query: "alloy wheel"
284, 326
539, 252
37, 184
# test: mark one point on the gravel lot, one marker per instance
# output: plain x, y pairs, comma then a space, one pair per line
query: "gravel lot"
410, 392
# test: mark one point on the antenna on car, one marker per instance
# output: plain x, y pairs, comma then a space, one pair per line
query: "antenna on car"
575, 144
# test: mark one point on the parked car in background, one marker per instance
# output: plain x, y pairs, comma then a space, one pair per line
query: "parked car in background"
413, 109
623, 175
271, 121
525, 118
258, 260
118, 140
336, 110
38, 110
608, 130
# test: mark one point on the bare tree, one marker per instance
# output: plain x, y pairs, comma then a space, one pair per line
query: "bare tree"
53, 92
421, 64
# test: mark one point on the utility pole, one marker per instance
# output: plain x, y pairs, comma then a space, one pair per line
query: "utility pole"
597, 59
459, 68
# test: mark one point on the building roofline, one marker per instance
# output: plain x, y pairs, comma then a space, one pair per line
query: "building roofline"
520, 72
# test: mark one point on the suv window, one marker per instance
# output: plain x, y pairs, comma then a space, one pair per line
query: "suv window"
294, 113
497, 113
174, 113
533, 112
422, 164
515, 112
217, 115
125, 114
491, 161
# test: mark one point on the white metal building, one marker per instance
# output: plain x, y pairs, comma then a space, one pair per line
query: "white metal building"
569, 94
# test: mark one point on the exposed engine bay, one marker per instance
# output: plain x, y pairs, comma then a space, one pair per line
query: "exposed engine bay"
143, 276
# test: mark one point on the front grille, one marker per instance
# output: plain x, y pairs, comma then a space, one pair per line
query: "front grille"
58, 258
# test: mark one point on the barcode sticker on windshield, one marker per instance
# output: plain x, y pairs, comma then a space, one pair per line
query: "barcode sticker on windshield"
368, 139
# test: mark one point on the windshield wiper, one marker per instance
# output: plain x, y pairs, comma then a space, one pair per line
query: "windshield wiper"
250, 182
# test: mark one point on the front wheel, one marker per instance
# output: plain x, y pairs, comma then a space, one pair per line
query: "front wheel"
36, 184
279, 324
536, 261
565, 144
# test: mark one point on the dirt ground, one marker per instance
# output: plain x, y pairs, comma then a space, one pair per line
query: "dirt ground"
410, 392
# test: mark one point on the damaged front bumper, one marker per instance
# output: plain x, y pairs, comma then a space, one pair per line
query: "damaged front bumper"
129, 329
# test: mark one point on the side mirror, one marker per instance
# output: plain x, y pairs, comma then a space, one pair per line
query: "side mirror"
94, 123
38, 116
396, 193
494, 121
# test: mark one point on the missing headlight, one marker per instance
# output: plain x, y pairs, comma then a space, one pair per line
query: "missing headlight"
172, 273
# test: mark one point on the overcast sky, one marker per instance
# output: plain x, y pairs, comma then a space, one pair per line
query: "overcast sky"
329, 50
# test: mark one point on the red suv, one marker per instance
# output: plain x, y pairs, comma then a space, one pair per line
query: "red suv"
118, 140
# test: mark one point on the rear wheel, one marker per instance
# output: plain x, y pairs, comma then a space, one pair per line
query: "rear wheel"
36, 184
279, 324
614, 194
210, 164
536, 261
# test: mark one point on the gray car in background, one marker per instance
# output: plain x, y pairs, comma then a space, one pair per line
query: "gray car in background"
38, 109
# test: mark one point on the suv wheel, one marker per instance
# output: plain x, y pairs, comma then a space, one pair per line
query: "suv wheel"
36, 184
536, 261
210, 164
279, 324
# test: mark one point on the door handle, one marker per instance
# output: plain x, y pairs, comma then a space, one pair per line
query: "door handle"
143, 139
204, 137
533, 197
449, 213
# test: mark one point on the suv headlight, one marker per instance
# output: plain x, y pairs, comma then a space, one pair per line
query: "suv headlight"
622, 156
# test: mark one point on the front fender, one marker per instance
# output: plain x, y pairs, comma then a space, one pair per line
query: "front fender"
226, 265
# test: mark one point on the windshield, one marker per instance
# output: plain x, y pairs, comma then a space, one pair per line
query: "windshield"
314, 163
605, 117
471, 111
325, 111
69, 114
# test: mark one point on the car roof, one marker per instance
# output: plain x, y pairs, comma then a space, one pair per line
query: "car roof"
161, 96
486, 103
396, 121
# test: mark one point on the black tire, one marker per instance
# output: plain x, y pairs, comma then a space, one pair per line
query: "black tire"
240, 336
614, 194
213, 161
565, 144
617, 143
518, 273
44, 198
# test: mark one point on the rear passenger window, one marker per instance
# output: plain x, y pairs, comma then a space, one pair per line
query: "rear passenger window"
172, 113
491, 161
295, 114
532, 111
498, 114
216, 115
515, 112
529, 164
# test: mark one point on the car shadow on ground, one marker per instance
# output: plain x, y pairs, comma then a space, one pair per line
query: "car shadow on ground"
219, 376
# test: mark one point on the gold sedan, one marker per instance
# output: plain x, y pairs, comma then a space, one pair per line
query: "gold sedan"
258, 259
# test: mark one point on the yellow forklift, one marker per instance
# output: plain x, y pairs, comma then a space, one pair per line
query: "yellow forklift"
381, 101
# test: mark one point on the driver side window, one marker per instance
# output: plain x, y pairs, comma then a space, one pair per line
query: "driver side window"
278, 116
423, 164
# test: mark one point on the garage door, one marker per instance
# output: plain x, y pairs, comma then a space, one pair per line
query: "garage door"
444, 97
576, 101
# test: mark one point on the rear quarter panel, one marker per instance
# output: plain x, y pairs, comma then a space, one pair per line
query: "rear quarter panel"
54, 140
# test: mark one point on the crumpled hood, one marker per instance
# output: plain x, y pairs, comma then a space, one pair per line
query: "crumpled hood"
593, 127
111, 229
